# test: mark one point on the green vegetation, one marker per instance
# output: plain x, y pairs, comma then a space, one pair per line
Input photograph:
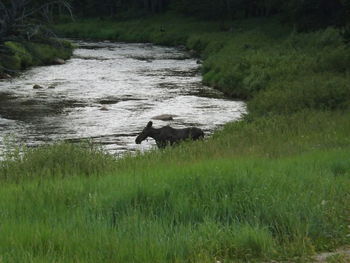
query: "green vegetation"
269, 189
24, 54
272, 186
24, 41
305, 15
278, 70
338, 258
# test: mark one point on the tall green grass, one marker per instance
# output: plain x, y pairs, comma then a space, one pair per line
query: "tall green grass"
61, 160
231, 198
247, 209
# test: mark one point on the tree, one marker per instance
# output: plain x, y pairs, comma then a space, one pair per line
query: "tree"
17, 17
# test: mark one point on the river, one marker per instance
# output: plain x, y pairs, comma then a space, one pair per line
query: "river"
107, 92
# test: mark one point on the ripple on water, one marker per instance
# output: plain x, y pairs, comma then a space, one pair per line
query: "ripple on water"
107, 93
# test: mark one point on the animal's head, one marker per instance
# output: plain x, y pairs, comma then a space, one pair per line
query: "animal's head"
145, 133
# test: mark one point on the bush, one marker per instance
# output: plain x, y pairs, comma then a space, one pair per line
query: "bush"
20, 53
320, 93
24, 54
333, 60
9, 62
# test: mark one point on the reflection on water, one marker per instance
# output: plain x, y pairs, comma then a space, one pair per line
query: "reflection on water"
107, 93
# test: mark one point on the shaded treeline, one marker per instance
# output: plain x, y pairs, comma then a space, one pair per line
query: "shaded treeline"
92, 8
25, 40
306, 15
23, 18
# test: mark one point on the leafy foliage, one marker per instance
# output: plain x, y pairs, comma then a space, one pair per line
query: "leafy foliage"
306, 15
21, 18
21, 26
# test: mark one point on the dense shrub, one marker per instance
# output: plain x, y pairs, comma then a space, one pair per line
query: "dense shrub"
320, 92
20, 53
23, 54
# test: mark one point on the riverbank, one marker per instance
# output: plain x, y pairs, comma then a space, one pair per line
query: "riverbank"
256, 191
119, 88
20, 55
273, 186
277, 69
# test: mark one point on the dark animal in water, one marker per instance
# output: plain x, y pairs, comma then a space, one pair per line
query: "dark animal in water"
168, 136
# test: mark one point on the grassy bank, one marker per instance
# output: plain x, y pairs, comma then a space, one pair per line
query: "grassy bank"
268, 189
19, 55
279, 70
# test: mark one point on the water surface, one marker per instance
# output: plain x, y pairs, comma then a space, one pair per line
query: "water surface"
107, 93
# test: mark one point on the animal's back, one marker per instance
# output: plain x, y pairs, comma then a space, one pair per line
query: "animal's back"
196, 133
169, 134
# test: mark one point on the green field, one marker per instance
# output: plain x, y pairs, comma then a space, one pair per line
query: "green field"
274, 185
